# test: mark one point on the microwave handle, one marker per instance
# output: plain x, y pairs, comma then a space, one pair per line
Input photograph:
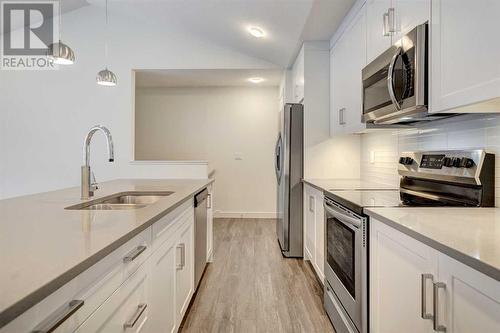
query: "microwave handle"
390, 78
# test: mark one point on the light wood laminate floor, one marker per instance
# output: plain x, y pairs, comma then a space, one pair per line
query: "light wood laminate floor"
250, 287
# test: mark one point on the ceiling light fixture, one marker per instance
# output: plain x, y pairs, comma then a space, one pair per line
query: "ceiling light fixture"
256, 32
60, 53
256, 79
106, 77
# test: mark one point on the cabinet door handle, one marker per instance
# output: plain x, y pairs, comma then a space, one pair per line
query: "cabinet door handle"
391, 20
385, 22
58, 317
311, 203
424, 313
209, 201
134, 253
182, 247
132, 321
342, 116
436, 325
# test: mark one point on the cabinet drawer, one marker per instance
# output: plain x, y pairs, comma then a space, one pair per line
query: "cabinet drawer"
167, 225
93, 287
125, 311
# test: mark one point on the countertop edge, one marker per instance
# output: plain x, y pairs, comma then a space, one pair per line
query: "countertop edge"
465, 259
305, 181
27, 302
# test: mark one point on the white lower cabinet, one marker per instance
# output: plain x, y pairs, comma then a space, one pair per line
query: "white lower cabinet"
414, 288
184, 275
470, 300
125, 311
145, 286
397, 263
314, 229
162, 290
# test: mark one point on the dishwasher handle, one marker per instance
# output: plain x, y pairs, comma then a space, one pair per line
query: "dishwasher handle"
200, 197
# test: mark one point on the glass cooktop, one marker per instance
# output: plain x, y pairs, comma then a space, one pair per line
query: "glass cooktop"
359, 199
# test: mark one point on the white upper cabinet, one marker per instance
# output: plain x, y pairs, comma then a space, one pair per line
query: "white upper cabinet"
389, 20
409, 14
347, 59
376, 41
465, 53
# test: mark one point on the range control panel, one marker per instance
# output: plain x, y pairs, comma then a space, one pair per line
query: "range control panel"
458, 165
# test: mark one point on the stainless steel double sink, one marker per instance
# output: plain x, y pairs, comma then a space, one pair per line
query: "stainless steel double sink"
122, 201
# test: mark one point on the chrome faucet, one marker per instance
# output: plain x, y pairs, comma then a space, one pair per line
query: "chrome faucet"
89, 184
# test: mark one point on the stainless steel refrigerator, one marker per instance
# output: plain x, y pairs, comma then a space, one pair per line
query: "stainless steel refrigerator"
289, 165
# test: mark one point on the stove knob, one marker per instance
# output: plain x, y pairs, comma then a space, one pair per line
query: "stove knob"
408, 161
466, 162
402, 160
455, 161
447, 162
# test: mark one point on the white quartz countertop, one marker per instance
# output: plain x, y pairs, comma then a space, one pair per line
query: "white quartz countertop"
347, 184
43, 245
470, 235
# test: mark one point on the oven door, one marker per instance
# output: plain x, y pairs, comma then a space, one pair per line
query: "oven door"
346, 260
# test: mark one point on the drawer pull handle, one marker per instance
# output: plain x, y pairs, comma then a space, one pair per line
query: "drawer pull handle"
436, 325
134, 253
58, 317
424, 313
138, 313
182, 247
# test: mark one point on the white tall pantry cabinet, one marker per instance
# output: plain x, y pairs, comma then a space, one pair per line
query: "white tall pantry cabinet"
347, 59
407, 278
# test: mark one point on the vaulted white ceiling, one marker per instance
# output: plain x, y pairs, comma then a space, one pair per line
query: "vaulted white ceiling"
287, 23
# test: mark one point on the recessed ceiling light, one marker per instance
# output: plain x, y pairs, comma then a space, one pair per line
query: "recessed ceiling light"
256, 32
256, 79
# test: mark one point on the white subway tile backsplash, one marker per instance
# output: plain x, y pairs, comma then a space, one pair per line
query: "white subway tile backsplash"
463, 132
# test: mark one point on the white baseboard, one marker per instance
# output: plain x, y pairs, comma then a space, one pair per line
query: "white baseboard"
244, 215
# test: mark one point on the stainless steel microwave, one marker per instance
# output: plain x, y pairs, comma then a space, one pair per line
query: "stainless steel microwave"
395, 84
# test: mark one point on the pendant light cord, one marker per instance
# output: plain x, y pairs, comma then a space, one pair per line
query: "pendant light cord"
106, 37
60, 19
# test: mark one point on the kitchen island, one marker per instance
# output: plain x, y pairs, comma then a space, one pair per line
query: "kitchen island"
43, 245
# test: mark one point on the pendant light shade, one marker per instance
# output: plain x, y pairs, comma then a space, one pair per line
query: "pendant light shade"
106, 78
61, 54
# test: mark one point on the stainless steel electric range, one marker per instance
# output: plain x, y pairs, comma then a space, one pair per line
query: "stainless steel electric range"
433, 178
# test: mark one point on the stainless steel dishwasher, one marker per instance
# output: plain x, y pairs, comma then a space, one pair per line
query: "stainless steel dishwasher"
200, 235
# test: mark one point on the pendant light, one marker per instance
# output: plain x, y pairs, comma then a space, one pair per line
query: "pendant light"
60, 53
106, 77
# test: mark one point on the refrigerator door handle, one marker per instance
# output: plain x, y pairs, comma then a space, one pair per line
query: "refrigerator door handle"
278, 158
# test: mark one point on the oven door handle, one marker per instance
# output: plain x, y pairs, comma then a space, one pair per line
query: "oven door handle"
390, 78
341, 216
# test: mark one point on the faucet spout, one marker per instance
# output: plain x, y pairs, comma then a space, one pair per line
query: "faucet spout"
89, 184
88, 138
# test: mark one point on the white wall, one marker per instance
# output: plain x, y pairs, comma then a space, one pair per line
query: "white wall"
214, 124
338, 157
45, 115
464, 132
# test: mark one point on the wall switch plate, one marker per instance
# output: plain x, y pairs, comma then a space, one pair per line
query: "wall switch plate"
238, 156
372, 156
